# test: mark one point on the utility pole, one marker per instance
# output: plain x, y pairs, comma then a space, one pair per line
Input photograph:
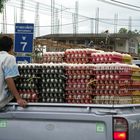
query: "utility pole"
76, 15
4, 25
91, 25
58, 26
74, 24
15, 15
37, 29
22, 11
61, 29
56, 21
75, 19
115, 23
52, 15
97, 21
130, 24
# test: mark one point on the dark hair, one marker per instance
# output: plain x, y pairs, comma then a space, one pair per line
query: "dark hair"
6, 43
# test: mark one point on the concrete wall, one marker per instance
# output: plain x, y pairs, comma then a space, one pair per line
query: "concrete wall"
133, 45
130, 45
120, 45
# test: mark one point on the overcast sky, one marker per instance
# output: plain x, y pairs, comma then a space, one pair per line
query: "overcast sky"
86, 8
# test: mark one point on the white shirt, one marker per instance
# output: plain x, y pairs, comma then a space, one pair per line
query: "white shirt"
8, 69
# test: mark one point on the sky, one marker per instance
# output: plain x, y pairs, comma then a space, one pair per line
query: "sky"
87, 8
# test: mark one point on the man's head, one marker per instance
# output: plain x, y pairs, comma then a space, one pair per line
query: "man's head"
6, 44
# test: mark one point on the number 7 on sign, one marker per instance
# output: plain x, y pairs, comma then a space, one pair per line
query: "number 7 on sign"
24, 44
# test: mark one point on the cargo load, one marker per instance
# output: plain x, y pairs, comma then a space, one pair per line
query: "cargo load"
84, 76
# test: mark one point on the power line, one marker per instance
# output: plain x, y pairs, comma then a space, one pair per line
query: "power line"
67, 24
125, 4
67, 14
117, 24
100, 19
119, 5
32, 9
42, 5
45, 10
59, 10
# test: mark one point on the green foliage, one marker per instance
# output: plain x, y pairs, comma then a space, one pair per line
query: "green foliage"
2, 5
135, 32
123, 31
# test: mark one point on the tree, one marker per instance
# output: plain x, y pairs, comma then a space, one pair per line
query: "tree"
135, 32
123, 31
2, 5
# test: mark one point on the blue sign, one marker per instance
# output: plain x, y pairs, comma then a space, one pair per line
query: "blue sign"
23, 59
24, 37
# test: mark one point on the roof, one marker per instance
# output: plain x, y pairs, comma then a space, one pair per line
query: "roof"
84, 36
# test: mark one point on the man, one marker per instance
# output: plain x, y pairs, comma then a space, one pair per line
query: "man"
107, 37
91, 44
8, 71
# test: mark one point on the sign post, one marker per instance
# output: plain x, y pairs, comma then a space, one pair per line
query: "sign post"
23, 59
24, 37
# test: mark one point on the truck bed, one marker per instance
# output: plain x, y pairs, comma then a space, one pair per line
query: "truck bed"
41, 121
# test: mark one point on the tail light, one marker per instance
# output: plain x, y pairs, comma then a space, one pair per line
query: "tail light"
120, 130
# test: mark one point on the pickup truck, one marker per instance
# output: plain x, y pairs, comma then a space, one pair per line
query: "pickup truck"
49, 121
67, 121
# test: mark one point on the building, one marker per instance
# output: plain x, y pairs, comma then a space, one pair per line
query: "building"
126, 43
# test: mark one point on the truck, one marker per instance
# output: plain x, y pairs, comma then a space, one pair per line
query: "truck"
76, 102
48, 121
